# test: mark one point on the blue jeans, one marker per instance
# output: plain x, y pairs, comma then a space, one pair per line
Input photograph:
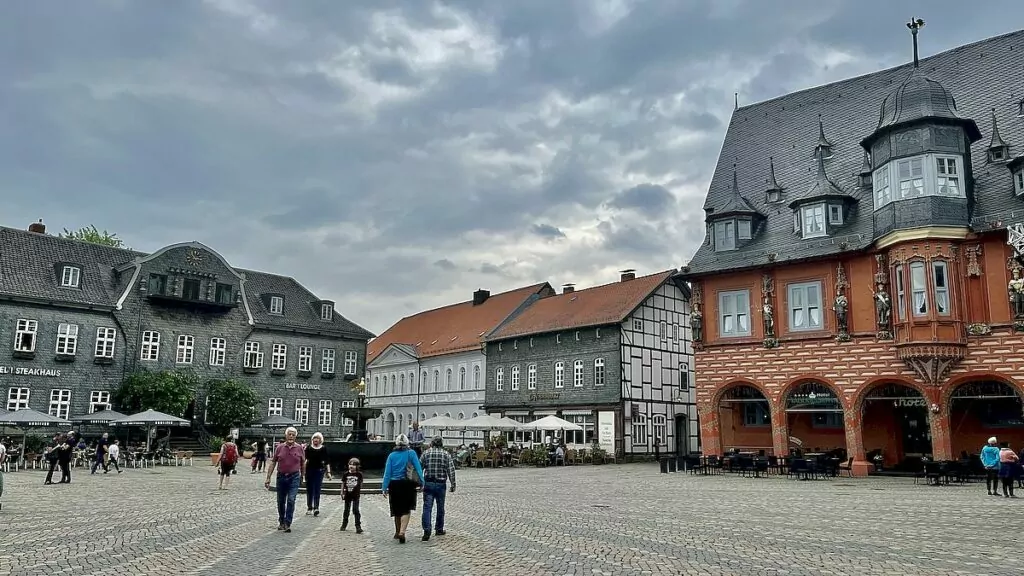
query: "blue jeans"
314, 484
287, 490
433, 491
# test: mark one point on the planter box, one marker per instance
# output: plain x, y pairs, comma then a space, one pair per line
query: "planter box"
64, 358
327, 376
214, 458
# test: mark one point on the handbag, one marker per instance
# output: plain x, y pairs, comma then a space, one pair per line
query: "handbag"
410, 473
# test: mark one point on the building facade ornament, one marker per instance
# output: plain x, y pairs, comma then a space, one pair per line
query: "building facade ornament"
932, 363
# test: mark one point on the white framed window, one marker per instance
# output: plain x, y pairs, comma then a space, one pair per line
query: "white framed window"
17, 399
302, 411
276, 305
275, 406
351, 362
577, 374
71, 277
99, 400
327, 312
515, 377
279, 357
910, 176
835, 214
477, 385
638, 324
462, 377
684, 376
499, 379
531, 377
327, 361
883, 192
67, 339
401, 383
734, 313
725, 235
150, 349
659, 427
918, 289
186, 349
106, 339
558, 338
805, 306
349, 404
218, 351
60, 403
640, 430
599, 372
1018, 181
437, 380
743, 229
901, 294
25, 335
940, 283
813, 218
324, 413
559, 374
252, 358
305, 358
947, 176
515, 344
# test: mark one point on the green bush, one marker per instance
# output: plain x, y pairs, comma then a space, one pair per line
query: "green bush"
230, 403
215, 444
167, 391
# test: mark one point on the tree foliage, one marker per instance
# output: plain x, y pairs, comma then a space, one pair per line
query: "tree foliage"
230, 403
93, 235
167, 391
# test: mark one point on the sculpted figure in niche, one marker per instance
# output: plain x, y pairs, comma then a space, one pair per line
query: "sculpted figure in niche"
768, 314
883, 307
840, 306
1016, 292
697, 324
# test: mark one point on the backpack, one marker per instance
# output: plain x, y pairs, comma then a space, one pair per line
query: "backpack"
230, 454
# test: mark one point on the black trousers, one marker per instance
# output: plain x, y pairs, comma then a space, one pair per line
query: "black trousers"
352, 505
992, 479
49, 474
1007, 486
65, 472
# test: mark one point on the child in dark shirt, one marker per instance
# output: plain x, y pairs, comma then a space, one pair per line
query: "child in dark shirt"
351, 485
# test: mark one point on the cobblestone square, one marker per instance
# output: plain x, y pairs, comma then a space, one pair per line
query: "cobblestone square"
625, 519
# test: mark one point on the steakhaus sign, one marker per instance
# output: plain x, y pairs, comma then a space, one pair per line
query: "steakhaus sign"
24, 371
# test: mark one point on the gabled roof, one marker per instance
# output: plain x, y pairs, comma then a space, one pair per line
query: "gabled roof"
822, 188
981, 76
597, 306
455, 328
735, 204
301, 308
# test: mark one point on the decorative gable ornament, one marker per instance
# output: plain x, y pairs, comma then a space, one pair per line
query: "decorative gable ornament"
998, 150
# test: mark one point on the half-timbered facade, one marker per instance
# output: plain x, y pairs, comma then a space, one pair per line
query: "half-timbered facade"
615, 359
855, 290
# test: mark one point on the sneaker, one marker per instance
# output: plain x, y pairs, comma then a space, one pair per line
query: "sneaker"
280, 527
359, 530
288, 528
441, 532
316, 512
309, 512
401, 539
426, 536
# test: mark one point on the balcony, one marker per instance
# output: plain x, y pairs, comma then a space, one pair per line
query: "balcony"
193, 304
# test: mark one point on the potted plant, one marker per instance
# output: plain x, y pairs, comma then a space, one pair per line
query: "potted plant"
598, 452
215, 444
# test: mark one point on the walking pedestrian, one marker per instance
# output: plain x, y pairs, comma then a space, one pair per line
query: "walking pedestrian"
1009, 468
101, 454
228, 461
115, 453
64, 455
990, 460
416, 438
402, 475
438, 470
260, 458
50, 455
316, 467
351, 489
289, 461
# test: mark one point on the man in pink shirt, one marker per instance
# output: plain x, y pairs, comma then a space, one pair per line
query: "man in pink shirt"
290, 462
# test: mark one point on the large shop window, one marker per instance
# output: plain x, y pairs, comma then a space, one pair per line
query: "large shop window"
805, 306
756, 414
734, 313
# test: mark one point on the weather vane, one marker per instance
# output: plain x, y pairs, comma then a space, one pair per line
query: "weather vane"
914, 25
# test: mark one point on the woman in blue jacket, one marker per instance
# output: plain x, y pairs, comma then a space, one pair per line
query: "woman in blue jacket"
990, 460
402, 476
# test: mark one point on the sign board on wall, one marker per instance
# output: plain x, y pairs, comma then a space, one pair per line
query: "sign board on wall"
606, 431
26, 371
301, 386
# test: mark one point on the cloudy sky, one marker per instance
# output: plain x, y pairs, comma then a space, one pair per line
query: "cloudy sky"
396, 155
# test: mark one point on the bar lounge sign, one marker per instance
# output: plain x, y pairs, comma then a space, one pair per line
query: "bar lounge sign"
301, 386
24, 371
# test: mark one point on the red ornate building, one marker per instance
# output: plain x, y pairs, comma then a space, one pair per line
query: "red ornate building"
856, 289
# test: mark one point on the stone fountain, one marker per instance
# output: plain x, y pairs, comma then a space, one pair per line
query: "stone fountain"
372, 454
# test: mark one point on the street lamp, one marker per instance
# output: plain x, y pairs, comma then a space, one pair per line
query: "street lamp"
419, 382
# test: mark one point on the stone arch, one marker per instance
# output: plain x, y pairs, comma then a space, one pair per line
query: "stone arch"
814, 434
872, 384
897, 442
736, 383
952, 384
966, 428
716, 431
803, 379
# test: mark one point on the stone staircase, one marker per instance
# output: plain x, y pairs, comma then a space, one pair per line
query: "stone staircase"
371, 485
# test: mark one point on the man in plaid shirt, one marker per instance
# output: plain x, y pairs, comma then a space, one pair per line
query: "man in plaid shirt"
438, 469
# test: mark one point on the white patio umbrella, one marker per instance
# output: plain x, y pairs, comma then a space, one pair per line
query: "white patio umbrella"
150, 419
442, 423
27, 418
488, 422
552, 423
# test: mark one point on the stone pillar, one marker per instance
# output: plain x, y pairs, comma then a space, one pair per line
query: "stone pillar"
710, 429
942, 441
853, 418
780, 428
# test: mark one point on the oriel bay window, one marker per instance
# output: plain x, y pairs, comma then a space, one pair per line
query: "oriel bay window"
925, 175
929, 289
918, 289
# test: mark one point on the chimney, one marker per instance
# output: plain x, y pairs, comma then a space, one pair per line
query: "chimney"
37, 227
568, 288
627, 275
480, 296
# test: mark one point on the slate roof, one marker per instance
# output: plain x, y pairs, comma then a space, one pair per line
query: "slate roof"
28, 269
597, 306
455, 328
980, 77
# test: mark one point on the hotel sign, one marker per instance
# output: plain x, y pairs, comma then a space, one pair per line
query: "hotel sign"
26, 371
301, 386
539, 396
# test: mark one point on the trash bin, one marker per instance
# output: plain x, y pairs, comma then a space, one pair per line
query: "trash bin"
672, 465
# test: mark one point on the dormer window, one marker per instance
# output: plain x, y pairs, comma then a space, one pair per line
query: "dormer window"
773, 195
743, 229
1018, 181
276, 305
327, 312
813, 218
71, 277
997, 154
835, 214
725, 235
919, 176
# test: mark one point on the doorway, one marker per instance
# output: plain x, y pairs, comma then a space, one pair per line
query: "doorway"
682, 433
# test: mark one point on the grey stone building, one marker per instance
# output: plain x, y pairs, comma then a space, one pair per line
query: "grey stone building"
79, 317
615, 359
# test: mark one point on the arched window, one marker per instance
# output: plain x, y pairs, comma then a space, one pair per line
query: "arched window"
515, 377
559, 374
475, 414
658, 423
499, 379
599, 372
409, 419
437, 380
401, 380
412, 383
462, 378
394, 385
423, 380
577, 374
448, 380
476, 378
640, 430
376, 386
462, 415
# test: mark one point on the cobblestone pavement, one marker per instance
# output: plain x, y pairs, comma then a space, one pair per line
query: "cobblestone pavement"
587, 520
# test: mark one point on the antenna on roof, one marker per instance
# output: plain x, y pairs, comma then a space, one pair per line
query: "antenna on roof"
914, 25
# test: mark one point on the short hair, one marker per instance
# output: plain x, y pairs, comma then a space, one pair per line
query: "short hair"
292, 430
437, 442
355, 461
401, 440
317, 435
993, 441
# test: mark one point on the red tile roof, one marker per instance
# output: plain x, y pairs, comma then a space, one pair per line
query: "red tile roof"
597, 306
455, 328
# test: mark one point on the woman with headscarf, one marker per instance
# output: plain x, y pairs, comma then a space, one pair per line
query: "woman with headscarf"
316, 466
990, 460
403, 474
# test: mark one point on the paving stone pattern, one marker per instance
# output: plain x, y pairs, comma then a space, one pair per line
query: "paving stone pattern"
587, 520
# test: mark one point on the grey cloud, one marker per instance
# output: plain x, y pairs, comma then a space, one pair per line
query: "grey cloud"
445, 264
547, 231
648, 199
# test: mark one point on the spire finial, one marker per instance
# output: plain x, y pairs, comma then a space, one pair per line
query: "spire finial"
821, 167
997, 140
773, 183
736, 100
914, 25
735, 181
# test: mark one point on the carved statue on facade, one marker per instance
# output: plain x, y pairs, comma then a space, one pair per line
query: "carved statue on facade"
883, 308
768, 316
840, 307
1016, 293
697, 324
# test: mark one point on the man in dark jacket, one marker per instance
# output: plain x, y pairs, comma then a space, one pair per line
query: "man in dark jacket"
66, 450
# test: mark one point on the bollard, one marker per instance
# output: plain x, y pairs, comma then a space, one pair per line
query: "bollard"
664, 466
